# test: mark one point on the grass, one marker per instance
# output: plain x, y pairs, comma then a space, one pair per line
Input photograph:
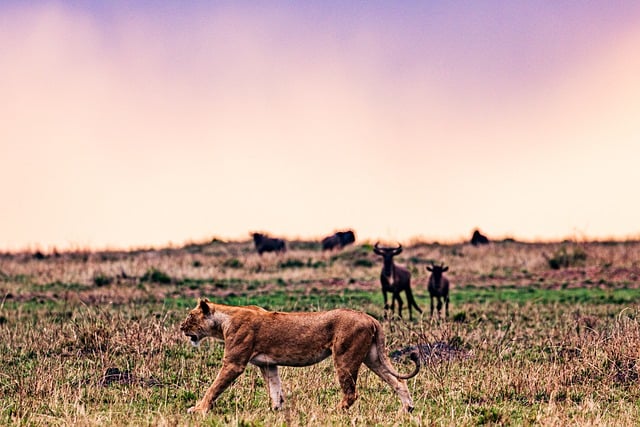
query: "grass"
541, 346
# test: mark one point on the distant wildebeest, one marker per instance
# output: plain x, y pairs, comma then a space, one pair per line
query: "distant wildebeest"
268, 244
439, 287
338, 240
395, 279
479, 239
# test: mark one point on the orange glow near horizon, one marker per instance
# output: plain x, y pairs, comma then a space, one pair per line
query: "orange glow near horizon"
137, 138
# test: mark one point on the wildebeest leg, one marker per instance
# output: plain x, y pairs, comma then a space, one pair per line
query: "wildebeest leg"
439, 306
431, 296
393, 303
386, 305
446, 305
272, 381
400, 303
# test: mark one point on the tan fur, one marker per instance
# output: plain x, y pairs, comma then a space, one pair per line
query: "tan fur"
271, 339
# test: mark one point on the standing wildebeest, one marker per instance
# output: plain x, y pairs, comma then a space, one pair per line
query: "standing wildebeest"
268, 244
478, 238
338, 240
395, 279
439, 287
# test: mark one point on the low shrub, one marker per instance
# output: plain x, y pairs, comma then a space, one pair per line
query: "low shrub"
156, 276
291, 263
101, 279
363, 262
233, 263
564, 258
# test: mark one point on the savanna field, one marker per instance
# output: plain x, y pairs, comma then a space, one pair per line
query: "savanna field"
538, 334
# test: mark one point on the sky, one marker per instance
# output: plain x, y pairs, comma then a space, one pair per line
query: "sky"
137, 124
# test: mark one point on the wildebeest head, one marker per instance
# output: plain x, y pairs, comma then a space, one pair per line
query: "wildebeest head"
437, 270
387, 255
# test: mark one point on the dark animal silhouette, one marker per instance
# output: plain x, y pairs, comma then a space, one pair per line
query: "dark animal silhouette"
439, 287
479, 239
268, 244
338, 240
395, 279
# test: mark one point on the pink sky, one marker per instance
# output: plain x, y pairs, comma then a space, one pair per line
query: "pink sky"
135, 126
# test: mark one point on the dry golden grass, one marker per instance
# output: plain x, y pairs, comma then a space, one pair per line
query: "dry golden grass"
538, 346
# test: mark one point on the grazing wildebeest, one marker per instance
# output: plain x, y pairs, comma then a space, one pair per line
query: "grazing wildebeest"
268, 244
439, 287
395, 279
478, 238
338, 240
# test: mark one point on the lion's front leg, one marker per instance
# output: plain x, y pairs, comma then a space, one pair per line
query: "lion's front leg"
272, 381
229, 372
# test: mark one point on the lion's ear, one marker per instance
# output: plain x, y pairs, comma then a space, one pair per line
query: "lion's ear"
204, 306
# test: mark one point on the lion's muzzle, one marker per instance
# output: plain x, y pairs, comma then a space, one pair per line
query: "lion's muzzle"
195, 341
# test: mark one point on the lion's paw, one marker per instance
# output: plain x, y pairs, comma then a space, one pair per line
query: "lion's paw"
196, 410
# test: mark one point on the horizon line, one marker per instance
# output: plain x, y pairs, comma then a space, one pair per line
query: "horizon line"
409, 242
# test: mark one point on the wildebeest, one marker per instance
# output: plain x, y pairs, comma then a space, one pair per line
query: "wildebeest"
478, 238
268, 244
395, 279
338, 240
439, 287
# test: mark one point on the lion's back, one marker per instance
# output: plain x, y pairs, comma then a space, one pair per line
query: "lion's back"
353, 320
319, 323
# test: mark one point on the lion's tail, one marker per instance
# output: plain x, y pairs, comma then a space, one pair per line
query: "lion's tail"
414, 356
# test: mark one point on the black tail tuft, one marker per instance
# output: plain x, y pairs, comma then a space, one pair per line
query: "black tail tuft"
415, 357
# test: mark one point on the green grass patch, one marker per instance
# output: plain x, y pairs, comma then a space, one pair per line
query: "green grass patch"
522, 294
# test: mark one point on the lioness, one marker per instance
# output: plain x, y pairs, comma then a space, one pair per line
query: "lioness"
268, 339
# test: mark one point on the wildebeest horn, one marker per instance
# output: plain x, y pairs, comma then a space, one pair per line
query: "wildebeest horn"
393, 251
376, 249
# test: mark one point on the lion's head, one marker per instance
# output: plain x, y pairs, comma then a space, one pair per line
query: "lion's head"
195, 326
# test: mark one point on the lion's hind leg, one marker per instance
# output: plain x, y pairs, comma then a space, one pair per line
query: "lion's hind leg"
347, 376
272, 381
348, 355
378, 364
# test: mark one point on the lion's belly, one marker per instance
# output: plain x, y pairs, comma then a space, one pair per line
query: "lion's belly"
291, 359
